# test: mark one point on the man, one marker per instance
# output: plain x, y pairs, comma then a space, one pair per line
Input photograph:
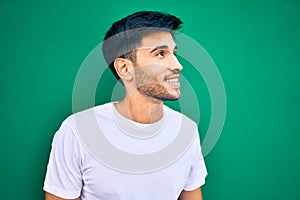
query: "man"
141, 52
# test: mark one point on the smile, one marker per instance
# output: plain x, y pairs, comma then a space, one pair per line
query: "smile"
174, 82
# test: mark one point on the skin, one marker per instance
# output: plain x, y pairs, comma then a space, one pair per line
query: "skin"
49, 196
148, 81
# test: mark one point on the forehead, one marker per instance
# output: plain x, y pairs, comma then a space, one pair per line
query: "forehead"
158, 38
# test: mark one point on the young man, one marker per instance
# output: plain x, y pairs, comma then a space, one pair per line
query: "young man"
158, 149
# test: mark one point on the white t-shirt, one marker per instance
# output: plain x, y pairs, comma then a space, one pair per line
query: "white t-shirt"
135, 161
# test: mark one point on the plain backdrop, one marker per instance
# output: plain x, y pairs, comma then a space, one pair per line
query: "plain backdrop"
255, 45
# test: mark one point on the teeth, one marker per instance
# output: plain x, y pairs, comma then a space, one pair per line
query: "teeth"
173, 80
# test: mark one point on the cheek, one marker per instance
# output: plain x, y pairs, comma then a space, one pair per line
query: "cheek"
155, 70
146, 77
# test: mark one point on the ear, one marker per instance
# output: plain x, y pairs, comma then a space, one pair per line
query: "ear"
124, 68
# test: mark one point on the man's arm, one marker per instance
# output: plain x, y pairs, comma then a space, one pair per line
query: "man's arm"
191, 195
49, 196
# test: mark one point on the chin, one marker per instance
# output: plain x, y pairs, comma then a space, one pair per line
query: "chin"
159, 92
172, 96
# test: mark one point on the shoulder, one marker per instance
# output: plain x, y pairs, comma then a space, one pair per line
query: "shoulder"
99, 111
175, 116
70, 127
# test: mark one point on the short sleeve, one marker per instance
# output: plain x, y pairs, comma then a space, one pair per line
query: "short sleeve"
198, 170
63, 176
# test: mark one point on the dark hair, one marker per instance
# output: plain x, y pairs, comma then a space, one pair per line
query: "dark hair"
125, 35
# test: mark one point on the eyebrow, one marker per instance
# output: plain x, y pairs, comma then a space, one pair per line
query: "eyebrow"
162, 47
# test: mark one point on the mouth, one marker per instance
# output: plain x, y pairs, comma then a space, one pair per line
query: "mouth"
173, 82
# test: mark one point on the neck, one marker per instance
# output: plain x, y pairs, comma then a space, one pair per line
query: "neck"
140, 108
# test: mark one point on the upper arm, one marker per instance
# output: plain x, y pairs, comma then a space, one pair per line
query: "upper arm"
191, 195
49, 196
63, 176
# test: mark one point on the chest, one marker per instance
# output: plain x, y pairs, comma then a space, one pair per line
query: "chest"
106, 183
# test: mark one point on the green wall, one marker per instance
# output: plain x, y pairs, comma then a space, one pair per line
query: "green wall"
255, 45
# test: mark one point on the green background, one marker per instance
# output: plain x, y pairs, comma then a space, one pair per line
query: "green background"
255, 45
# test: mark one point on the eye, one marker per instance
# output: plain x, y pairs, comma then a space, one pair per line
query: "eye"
160, 54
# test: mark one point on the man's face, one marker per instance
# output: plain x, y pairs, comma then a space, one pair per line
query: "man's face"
157, 68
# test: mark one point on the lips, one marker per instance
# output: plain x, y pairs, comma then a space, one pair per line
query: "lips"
173, 82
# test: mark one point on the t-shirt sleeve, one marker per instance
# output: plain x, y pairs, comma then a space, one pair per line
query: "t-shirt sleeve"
63, 176
198, 170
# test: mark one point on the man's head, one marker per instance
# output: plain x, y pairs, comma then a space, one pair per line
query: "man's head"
145, 41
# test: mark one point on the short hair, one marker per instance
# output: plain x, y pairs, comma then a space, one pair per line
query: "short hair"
125, 35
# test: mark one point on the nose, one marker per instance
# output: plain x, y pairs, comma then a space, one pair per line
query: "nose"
175, 64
